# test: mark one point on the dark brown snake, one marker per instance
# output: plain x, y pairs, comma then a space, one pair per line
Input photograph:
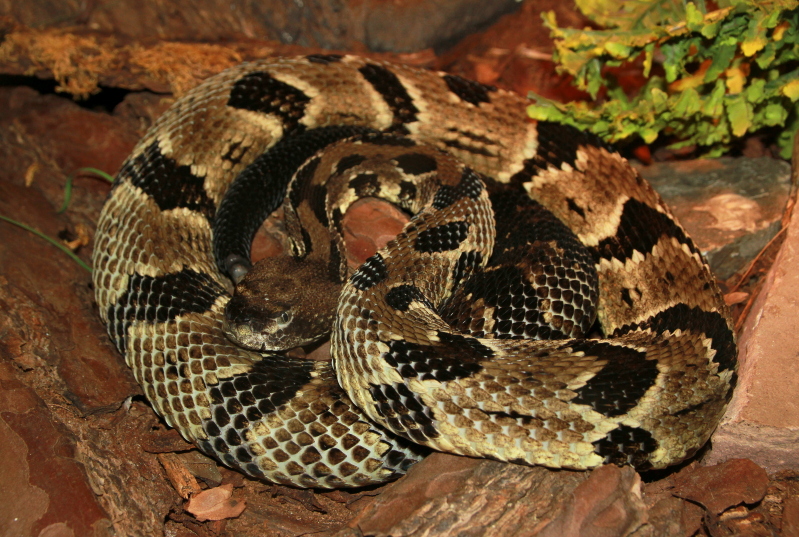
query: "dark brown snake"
431, 336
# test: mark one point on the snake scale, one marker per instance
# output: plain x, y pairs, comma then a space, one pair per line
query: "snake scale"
431, 347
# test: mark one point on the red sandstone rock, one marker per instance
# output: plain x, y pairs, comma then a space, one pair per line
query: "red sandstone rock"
673, 516
39, 466
368, 226
447, 495
735, 482
608, 504
762, 422
790, 518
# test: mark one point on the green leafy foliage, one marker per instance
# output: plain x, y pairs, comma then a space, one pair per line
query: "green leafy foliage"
710, 76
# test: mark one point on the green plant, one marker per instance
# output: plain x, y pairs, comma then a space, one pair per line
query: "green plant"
711, 76
67, 197
51, 240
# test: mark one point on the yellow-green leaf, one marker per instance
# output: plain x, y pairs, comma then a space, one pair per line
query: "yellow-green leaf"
710, 29
714, 103
752, 46
779, 31
735, 80
725, 72
688, 103
649, 55
658, 96
791, 90
755, 90
551, 22
693, 17
617, 50
739, 112
721, 61
775, 114
649, 135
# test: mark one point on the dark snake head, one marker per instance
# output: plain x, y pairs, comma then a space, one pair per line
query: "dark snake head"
281, 303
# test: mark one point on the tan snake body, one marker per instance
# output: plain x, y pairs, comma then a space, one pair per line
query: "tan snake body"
649, 392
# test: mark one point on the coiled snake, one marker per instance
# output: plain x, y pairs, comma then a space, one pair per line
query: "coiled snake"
430, 337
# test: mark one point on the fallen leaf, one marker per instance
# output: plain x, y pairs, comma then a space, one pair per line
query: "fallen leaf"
735, 298
82, 238
30, 173
215, 504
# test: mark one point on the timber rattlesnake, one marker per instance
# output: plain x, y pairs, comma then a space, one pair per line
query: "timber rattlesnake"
440, 366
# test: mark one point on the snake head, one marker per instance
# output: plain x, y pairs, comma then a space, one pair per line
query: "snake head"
281, 303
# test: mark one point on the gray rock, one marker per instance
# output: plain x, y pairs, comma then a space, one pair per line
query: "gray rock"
731, 207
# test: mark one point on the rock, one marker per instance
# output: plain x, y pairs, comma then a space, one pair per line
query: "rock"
43, 133
368, 226
432, 479
725, 499
39, 466
516, 52
790, 517
740, 522
447, 495
731, 207
411, 25
607, 504
673, 516
762, 422
735, 482
378, 25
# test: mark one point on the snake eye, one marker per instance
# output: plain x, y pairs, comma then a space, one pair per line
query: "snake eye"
284, 318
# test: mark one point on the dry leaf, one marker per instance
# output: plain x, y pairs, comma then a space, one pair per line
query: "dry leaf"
736, 297
215, 504
81, 239
30, 173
